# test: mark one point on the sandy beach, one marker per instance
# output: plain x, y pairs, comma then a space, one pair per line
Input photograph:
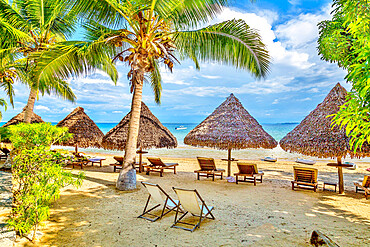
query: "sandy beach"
269, 214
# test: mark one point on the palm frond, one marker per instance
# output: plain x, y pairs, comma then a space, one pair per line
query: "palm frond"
59, 87
71, 58
107, 12
96, 31
4, 104
189, 13
232, 42
156, 81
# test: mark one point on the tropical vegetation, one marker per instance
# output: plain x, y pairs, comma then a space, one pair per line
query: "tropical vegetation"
37, 174
153, 33
35, 32
345, 40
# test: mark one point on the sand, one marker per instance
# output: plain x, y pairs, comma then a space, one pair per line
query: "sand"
269, 214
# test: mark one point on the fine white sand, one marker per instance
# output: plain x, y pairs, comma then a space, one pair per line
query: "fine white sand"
269, 214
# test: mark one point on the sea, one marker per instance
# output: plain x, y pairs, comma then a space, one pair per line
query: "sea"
276, 130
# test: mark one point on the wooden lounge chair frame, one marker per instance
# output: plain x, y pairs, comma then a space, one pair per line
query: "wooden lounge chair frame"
119, 163
5, 154
147, 212
81, 160
157, 165
250, 173
208, 168
202, 215
305, 178
365, 186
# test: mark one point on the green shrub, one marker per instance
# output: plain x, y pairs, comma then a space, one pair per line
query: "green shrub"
37, 175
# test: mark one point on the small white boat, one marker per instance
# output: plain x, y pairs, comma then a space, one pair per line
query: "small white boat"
181, 128
306, 162
353, 167
270, 159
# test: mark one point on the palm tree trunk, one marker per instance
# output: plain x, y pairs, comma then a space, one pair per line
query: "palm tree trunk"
127, 177
30, 105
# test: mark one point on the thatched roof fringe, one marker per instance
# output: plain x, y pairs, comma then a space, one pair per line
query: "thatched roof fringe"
20, 119
152, 133
230, 126
314, 136
85, 132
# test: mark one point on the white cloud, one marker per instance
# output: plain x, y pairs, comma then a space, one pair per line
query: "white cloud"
117, 111
276, 101
278, 52
305, 99
211, 76
41, 107
299, 31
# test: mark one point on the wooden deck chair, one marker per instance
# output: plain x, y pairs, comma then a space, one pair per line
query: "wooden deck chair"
249, 172
208, 168
306, 177
80, 159
119, 163
157, 165
191, 202
365, 186
5, 153
161, 198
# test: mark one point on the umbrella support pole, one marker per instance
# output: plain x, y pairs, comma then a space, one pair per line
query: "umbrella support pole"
141, 152
340, 175
76, 149
140, 161
229, 162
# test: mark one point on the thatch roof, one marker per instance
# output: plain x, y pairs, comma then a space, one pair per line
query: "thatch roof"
85, 132
230, 126
314, 135
152, 133
20, 119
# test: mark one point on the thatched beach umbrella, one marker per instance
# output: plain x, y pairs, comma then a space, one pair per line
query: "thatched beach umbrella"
152, 133
20, 119
314, 136
229, 127
85, 132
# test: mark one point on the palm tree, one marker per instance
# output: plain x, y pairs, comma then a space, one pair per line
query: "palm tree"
152, 32
35, 31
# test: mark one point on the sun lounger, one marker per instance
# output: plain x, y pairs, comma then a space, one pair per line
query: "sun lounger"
156, 165
353, 167
306, 177
5, 153
249, 172
161, 198
80, 159
365, 186
191, 202
269, 159
306, 162
208, 168
119, 163
98, 160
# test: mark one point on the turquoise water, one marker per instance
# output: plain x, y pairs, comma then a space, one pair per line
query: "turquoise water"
277, 131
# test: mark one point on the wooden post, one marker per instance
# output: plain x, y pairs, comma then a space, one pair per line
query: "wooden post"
140, 160
76, 149
229, 162
340, 175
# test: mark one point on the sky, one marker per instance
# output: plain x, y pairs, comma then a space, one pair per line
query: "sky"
297, 83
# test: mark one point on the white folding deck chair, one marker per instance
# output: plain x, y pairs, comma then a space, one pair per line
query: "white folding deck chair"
162, 198
190, 203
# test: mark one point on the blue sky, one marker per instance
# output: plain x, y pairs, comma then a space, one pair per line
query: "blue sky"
298, 81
